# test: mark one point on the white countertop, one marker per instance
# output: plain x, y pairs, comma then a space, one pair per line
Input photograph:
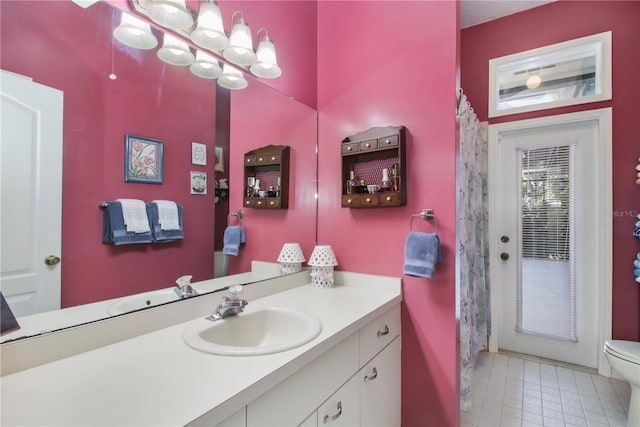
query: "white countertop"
156, 379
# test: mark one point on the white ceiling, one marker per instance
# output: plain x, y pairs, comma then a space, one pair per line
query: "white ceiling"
473, 12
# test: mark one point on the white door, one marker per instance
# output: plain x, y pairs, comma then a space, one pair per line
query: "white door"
550, 236
31, 194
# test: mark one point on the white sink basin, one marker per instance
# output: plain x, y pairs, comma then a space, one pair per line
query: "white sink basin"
143, 300
264, 331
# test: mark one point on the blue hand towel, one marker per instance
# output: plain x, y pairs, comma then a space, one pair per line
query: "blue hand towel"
114, 231
233, 237
160, 235
421, 254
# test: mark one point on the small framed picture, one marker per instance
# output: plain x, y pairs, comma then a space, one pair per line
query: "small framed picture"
198, 154
142, 160
198, 182
219, 159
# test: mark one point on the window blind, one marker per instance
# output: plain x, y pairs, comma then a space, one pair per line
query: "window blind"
546, 288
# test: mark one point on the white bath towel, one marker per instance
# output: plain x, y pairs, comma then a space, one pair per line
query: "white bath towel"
135, 216
167, 214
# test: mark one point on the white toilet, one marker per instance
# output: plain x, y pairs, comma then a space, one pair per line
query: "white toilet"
624, 358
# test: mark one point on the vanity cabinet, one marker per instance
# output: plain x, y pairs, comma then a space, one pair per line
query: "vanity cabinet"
366, 154
270, 167
355, 383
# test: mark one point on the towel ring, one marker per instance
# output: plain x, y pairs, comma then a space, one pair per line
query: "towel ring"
238, 214
425, 214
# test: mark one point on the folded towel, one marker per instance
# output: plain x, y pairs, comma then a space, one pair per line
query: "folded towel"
134, 212
167, 214
421, 254
114, 230
160, 235
233, 237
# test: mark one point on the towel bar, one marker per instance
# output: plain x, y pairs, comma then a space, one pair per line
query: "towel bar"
425, 214
239, 214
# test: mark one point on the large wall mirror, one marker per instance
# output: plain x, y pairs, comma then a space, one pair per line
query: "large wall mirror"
111, 90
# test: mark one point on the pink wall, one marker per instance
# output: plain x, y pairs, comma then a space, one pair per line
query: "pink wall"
275, 120
395, 63
98, 113
547, 25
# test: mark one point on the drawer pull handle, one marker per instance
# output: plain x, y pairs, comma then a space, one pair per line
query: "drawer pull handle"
368, 200
386, 141
385, 331
388, 198
368, 145
273, 157
373, 376
330, 418
349, 148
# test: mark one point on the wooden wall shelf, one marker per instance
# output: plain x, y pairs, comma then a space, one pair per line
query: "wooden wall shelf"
367, 153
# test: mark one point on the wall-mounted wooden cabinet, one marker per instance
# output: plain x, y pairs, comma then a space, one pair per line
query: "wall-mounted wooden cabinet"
266, 177
365, 157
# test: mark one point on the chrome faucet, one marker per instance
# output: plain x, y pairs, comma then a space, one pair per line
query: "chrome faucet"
183, 287
230, 305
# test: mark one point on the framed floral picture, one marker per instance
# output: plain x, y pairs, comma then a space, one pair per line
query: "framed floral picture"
198, 182
142, 160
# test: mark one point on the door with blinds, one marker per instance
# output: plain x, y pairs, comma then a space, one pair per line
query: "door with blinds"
547, 232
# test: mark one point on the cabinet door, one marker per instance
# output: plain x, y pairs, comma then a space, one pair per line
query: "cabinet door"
311, 421
380, 388
343, 407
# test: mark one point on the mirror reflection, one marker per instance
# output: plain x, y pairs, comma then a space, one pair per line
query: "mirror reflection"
110, 90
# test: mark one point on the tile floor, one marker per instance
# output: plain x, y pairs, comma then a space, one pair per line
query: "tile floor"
512, 389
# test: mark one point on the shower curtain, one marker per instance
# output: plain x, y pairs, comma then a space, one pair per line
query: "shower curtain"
473, 245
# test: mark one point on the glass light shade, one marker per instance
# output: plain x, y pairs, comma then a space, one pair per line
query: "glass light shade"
232, 78
175, 52
266, 65
171, 14
240, 50
534, 81
209, 32
135, 33
206, 66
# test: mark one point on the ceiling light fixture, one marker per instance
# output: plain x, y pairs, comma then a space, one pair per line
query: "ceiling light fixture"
266, 65
534, 81
175, 52
135, 33
206, 66
240, 50
170, 13
209, 32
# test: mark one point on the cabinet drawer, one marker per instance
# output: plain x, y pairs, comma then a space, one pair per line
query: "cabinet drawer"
369, 145
388, 141
343, 407
250, 160
369, 200
389, 198
272, 202
352, 201
267, 159
350, 148
291, 401
378, 333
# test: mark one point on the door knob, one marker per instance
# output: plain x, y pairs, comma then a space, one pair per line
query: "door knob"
504, 256
504, 239
52, 260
